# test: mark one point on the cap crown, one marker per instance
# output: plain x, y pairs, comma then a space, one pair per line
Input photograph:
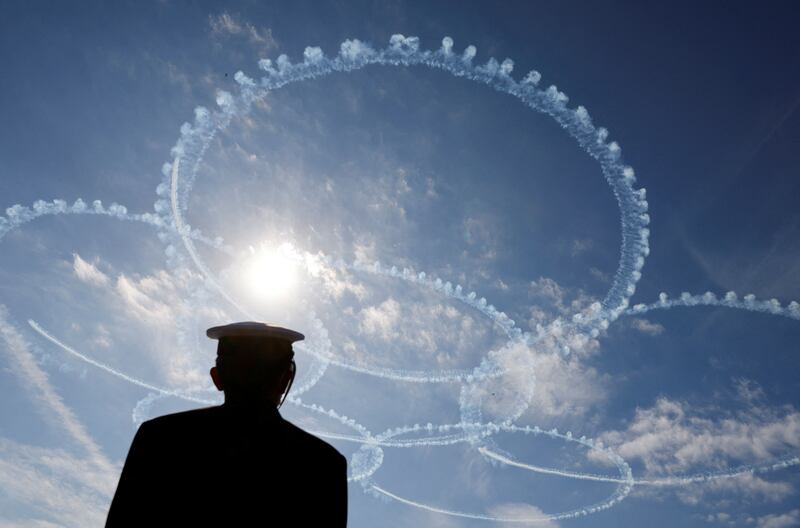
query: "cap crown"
254, 329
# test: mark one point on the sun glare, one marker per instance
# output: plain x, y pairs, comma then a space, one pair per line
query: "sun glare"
272, 272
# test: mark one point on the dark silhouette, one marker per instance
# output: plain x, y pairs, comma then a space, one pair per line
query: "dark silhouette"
239, 463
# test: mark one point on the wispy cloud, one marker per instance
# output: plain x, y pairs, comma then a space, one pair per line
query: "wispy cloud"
47, 400
746, 485
782, 520
70, 489
88, 272
145, 298
581, 246
647, 327
519, 510
551, 300
565, 386
720, 517
772, 520
226, 24
673, 438
55, 487
438, 330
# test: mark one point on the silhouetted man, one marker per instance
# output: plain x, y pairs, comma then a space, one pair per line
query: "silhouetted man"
239, 463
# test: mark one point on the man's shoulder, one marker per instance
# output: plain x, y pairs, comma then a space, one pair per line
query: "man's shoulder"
320, 446
187, 422
184, 418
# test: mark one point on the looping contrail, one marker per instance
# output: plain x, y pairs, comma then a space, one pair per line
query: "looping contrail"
562, 334
362, 470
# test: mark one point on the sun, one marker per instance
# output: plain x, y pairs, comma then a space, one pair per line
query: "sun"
271, 272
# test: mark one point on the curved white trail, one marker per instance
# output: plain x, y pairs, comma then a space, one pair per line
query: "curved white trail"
178, 393
550, 471
366, 436
573, 514
672, 480
561, 334
19, 214
729, 300
181, 172
405, 51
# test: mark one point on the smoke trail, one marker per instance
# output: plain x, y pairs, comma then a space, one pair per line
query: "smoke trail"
453, 291
182, 394
456, 292
195, 140
141, 411
572, 514
172, 204
550, 471
181, 172
370, 457
363, 465
625, 481
18, 214
491, 367
187, 154
485, 429
672, 480
365, 437
623, 490
189, 245
729, 300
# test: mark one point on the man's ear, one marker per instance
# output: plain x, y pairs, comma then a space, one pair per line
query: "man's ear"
215, 376
286, 379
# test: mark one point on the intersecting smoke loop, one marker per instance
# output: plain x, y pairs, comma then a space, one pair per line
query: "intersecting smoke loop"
474, 429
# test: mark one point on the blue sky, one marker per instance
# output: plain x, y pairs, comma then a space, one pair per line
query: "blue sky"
417, 169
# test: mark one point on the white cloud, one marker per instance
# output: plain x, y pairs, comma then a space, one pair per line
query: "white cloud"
62, 488
748, 391
783, 520
480, 231
365, 250
414, 518
551, 300
745, 485
158, 302
601, 276
519, 510
102, 338
151, 305
556, 385
721, 517
55, 488
49, 403
148, 298
580, 246
421, 330
88, 272
430, 188
647, 327
381, 320
668, 437
548, 290
673, 438
226, 24
565, 386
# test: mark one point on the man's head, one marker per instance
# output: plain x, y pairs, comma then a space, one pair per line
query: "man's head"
254, 361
